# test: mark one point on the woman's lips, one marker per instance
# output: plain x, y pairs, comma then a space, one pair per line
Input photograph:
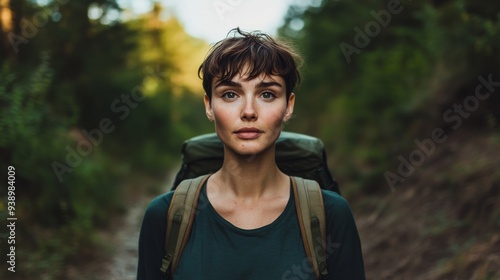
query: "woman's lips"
248, 133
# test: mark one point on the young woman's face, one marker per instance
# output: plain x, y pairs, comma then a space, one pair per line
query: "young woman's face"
248, 115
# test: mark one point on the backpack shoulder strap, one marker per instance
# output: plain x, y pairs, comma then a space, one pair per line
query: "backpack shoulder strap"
180, 218
312, 222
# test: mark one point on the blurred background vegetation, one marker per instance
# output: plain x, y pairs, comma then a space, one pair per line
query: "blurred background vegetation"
62, 72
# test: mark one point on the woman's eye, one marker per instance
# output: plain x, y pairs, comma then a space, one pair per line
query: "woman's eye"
268, 95
229, 95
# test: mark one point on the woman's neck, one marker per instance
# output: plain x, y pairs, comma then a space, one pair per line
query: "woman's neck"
250, 176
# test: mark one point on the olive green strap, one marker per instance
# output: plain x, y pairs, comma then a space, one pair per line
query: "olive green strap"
312, 222
180, 218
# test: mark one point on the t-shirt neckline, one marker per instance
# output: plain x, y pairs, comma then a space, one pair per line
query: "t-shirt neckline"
260, 230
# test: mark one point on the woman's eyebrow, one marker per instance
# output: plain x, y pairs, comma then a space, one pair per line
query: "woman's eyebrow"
268, 84
228, 83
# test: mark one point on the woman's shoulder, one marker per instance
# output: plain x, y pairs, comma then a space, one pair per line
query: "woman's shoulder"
159, 205
335, 204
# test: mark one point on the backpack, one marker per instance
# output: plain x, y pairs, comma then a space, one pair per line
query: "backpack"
297, 155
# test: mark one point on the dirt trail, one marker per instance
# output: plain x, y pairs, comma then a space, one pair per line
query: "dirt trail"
118, 259
124, 263
122, 241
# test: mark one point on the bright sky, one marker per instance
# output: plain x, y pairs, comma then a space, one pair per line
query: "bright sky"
212, 19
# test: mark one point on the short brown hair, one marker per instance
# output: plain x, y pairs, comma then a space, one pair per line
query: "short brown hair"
262, 53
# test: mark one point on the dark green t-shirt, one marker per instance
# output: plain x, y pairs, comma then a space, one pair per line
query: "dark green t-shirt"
218, 250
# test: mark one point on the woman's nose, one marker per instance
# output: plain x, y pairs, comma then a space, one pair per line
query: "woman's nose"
248, 112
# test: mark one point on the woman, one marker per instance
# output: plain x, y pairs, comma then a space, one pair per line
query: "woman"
249, 229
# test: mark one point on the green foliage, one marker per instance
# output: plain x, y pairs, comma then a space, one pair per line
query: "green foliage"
70, 76
33, 137
165, 75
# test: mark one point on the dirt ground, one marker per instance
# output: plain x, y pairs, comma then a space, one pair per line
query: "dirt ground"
443, 222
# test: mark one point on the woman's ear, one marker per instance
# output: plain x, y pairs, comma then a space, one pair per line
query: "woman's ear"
289, 107
208, 108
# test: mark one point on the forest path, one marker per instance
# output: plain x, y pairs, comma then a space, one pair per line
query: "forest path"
123, 265
121, 240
